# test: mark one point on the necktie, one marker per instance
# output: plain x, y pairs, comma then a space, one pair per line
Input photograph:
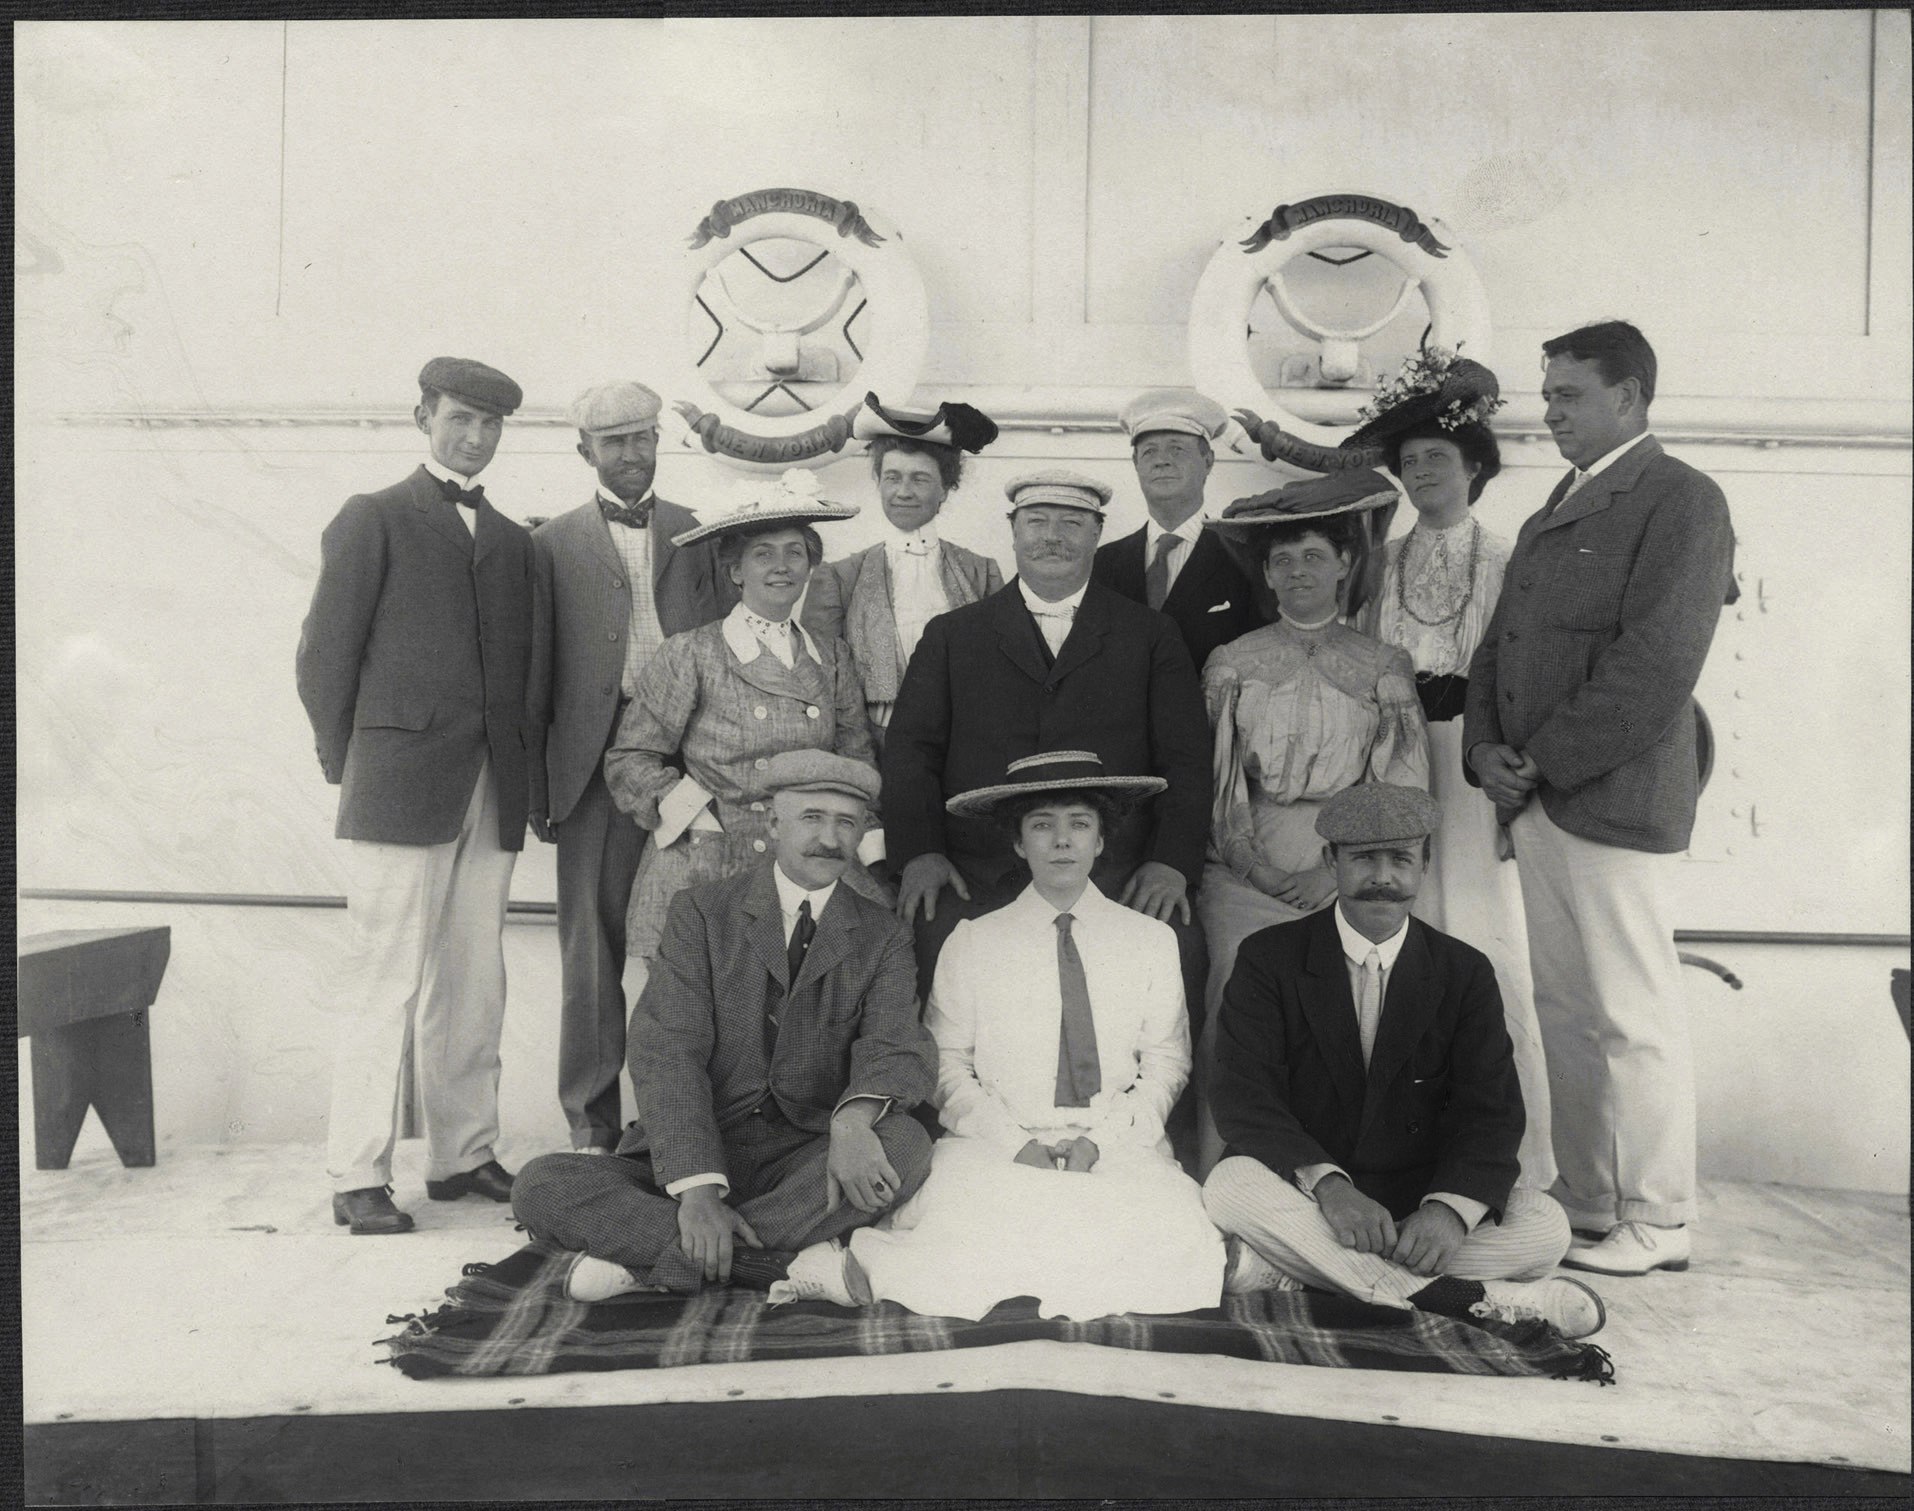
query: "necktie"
800, 939
1369, 1008
1079, 1076
775, 998
1156, 580
637, 516
1575, 481
465, 498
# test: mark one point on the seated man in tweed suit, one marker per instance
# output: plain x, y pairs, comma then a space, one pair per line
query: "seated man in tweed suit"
775, 1056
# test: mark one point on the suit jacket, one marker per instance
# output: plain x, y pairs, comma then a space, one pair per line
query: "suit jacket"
851, 600
1439, 1107
848, 1024
1211, 601
583, 600
1591, 658
412, 663
981, 692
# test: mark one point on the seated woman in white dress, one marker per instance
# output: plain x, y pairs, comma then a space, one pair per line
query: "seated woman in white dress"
1062, 1044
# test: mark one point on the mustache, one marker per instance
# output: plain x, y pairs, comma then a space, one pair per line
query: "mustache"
1378, 892
826, 852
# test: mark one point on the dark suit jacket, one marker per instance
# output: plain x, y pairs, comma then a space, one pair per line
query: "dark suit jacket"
849, 1024
1211, 601
979, 695
583, 601
412, 663
1439, 1108
1591, 658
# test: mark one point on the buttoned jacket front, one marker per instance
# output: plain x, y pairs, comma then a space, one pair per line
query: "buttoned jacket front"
1590, 661
413, 663
847, 1026
581, 626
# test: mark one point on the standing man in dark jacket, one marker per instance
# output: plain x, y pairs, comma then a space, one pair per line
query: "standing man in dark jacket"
412, 667
1173, 564
1580, 726
1365, 1086
1050, 662
611, 588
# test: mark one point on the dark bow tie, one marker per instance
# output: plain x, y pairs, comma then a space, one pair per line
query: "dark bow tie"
637, 516
465, 498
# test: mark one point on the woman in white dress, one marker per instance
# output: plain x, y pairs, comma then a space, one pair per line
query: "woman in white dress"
1440, 585
1062, 1044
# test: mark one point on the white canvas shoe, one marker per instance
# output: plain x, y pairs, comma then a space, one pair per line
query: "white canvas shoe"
1248, 1271
823, 1272
1568, 1306
1631, 1248
592, 1279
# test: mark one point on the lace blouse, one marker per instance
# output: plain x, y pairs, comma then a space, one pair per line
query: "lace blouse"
1432, 604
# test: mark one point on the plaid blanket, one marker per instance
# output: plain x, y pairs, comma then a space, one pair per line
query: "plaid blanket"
512, 1318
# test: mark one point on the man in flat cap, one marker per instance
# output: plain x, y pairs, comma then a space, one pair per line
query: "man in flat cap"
776, 1053
1052, 661
412, 667
611, 587
1173, 564
1365, 1087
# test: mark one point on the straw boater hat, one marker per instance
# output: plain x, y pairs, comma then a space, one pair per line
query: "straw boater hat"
1362, 492
957, 426
1053, 771
759, 504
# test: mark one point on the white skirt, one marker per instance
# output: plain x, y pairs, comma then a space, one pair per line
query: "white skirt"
1129, 1236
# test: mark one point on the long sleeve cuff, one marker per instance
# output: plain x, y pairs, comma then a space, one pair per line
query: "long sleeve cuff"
884, 1104
679, 1187
677, 809
1467, 1208
1308, 1176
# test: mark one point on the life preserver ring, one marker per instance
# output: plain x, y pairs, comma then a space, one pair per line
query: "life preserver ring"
873, 248
1255, 253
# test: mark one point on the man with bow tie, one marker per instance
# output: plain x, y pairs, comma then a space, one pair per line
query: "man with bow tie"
611, 588
412, 666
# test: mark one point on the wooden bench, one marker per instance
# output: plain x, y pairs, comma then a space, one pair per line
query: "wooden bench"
83, 1000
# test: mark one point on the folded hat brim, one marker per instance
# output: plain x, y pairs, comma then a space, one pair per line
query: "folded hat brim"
757, 519
980, 800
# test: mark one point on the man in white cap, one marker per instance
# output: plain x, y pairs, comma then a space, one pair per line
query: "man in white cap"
611, 587
1173, 564
1051, 662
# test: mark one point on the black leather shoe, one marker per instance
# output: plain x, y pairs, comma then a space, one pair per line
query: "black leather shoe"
490, 1179
369, 1210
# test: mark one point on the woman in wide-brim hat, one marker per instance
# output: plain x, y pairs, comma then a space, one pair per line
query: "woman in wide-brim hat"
879, 599
1062, 1045
1440, 582
714, 704
1299, 709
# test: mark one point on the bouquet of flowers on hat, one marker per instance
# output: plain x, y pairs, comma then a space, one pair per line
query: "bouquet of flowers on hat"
795, 492
1445, 373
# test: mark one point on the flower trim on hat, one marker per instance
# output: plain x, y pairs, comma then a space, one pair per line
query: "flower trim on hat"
1425, 372
796, 491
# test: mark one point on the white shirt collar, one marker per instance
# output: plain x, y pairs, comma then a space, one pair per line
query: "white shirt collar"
1185, 532
747, 647
1356, 945
1034, 902
446, 475
921, 542
790, 895
1043, 606
1609, 460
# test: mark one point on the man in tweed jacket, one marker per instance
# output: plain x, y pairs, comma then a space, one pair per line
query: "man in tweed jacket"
775, 1054
1580, 727
610, 588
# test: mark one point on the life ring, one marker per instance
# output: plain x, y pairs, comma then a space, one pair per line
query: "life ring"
1255, 254
873, 248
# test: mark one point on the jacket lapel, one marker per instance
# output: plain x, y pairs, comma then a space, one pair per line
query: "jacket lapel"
1408, 1008
1324, 996
490, 530
1596, 494
440, 514
832, 942
871, 626
1086, 633
1016, 636
1193, 583
764, 927
596, 532
1126, 565
959, 589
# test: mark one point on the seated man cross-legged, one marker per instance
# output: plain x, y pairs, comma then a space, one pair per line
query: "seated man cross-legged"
1365, 1086
775, 1056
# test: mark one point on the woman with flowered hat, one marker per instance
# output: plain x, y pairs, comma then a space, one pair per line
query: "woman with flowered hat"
1300, 709
880, 599
1062, 1045
720, 700
1429, 427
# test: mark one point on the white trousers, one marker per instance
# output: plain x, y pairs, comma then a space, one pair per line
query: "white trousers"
1609, 1002
428, 964
1245, 1197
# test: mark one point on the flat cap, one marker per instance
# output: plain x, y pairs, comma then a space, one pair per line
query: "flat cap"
1182, 409
820, 771
474, 382
1059, 486
614, 408
1377, 813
